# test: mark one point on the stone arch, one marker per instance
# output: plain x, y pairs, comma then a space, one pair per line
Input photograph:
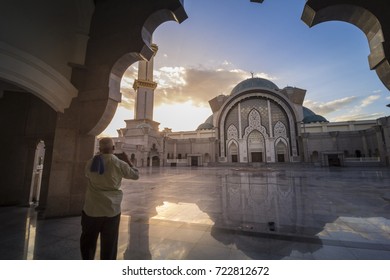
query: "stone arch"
106, 65
254, 120
367, 16
281, 150
256, 146
281, 100
232, 132
36, 178
207, 158
315, 156
280, 130
233, 151
116, 40
36, 76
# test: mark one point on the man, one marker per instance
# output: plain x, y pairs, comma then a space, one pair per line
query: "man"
102, 207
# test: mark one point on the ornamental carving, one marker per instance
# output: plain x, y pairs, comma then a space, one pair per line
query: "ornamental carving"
254, 120
232, 132
280, 130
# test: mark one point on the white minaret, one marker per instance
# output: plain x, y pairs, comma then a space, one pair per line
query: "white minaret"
144, 86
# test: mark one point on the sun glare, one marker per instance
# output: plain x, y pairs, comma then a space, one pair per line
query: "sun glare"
181, 116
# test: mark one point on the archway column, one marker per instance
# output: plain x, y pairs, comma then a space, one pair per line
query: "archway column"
114, 44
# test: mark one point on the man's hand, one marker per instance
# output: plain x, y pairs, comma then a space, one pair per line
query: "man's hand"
125, 158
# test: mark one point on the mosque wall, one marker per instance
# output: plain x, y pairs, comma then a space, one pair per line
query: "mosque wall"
25, 121
368, 146
257, 128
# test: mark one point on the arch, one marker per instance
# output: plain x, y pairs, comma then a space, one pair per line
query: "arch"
36, 76
233, 151
232, 133
367, 16
314, 156
276, 97
102, 88
155, 161
280, 130
36, 178
256, 146
281, 150
207, 158
177, 14
133, 159
254, 120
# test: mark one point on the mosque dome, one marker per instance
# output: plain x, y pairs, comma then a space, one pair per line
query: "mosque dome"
253, 83
310, 117
208, 124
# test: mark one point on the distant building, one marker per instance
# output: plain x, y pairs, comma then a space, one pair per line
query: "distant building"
257, 123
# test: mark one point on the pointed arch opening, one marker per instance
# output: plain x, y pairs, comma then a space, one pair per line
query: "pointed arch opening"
281, 150
233, 152
256, 147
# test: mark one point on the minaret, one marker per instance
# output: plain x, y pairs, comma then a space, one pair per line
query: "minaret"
144, 86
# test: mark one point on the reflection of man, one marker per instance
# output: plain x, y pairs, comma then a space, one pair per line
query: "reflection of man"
102, 207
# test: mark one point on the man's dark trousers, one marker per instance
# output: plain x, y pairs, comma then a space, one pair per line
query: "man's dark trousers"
108, 227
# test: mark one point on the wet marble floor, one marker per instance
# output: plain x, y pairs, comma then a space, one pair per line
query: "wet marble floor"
270, 212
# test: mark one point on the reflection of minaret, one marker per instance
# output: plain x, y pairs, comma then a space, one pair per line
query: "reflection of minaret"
144, 86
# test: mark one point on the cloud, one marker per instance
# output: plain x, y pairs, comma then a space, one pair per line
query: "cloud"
196, 84
369, 100
356, 117
329, 107
185, 91
127, 88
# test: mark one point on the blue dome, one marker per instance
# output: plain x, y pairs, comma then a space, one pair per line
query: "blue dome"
253, 83
208, 124
310, 117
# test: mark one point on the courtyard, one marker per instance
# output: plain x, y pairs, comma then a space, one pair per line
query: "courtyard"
272, 212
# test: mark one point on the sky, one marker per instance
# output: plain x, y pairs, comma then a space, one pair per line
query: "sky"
223, 41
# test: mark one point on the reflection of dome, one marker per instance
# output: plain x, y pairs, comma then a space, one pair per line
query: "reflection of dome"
254, 83
310, 117
208, 124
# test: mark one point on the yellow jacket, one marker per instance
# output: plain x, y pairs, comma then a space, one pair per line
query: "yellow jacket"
104, 196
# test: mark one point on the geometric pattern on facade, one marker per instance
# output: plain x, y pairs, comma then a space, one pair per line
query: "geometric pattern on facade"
232, 133
274, 108
255, 124
280, 130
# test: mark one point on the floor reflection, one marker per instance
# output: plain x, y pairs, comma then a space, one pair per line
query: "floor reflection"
138, 246
29, 241
235, 213
252, 214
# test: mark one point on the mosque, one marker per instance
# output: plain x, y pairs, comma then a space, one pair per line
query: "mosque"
256, 123
61, 64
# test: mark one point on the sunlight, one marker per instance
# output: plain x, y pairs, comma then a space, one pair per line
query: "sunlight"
181, 116
182, 212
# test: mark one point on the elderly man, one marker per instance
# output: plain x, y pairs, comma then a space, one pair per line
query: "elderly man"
102, 207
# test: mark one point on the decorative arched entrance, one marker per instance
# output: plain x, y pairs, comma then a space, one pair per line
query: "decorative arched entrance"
281, 150
233, 152
36, 178
256, 147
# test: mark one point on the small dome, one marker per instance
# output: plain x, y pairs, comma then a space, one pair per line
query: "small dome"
310, 117
208, 124
253, 83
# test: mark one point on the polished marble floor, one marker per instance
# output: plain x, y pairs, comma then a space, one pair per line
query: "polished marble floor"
212, 213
